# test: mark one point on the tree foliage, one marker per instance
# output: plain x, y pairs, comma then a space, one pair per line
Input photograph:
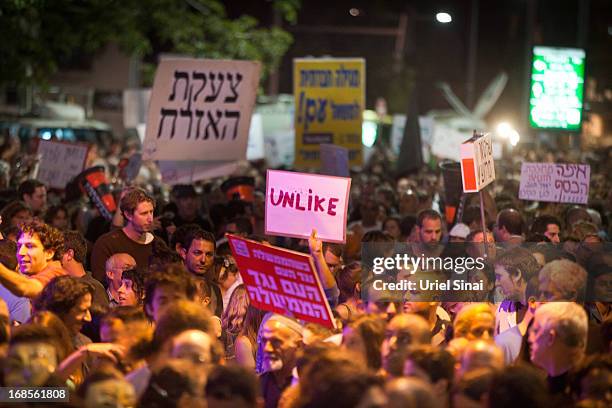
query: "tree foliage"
38, 35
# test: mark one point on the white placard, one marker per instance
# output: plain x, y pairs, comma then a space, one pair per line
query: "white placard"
60, 162
297, 203
446, 142
477, 164
135, 105
255, 147
555, 182
201, 110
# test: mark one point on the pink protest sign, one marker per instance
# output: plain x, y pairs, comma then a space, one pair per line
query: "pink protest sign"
281, 281
297, 203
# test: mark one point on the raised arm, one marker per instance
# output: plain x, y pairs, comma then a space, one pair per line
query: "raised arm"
18, 284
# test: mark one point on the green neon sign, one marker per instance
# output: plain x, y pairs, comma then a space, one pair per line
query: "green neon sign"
557, 88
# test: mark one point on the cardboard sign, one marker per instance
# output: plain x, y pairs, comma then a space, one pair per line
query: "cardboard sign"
177, 172
60, 162
297, 202
329, 102
559, 183
477, 164
281, 281
201, 110
334, 160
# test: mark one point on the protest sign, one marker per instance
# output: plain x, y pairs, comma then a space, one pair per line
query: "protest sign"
93, 182
201, 110
181, 172
281, 281
256, 143
60, 162
555, 182
446, 142
329, 102
135, 104
297, 202
477, 165
334, 160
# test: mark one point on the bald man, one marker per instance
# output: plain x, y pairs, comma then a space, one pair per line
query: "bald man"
115, 266
194, 346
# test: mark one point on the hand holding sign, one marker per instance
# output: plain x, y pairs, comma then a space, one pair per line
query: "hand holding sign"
297, 202
314, 244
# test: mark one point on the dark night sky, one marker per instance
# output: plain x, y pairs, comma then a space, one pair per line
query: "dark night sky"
437, 52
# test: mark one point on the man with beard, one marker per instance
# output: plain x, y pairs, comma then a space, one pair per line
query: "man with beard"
282, 338
135, 238
429, 227
197, 248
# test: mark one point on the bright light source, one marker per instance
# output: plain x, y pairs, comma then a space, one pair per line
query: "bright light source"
46, 135
354, 12
514, 138
368, 133
443, 18
506, 131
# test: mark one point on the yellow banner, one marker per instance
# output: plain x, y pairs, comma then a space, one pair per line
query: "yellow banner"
329, 102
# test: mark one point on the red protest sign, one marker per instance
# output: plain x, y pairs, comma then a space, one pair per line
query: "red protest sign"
281, 281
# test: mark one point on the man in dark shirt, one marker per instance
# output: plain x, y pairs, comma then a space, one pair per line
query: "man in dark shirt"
188, 207
73, 257
197, 248
557, 342
135, 238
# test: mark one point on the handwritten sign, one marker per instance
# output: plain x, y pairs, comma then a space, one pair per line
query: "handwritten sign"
334, 160
281, 281
201, 110
60, 162
559, 183
329, 102
477, 165
297, 202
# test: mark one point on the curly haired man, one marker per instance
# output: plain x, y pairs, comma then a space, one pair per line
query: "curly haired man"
39, 250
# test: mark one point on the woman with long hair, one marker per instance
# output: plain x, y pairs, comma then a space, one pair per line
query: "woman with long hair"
245, 347
349, 284
232, 319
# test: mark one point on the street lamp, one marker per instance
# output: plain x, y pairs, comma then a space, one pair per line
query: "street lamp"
444, 18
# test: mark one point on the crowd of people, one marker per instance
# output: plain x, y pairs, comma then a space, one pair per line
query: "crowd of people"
149, 309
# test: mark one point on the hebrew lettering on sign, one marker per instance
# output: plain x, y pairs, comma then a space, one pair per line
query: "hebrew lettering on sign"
562, 183
201, 110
